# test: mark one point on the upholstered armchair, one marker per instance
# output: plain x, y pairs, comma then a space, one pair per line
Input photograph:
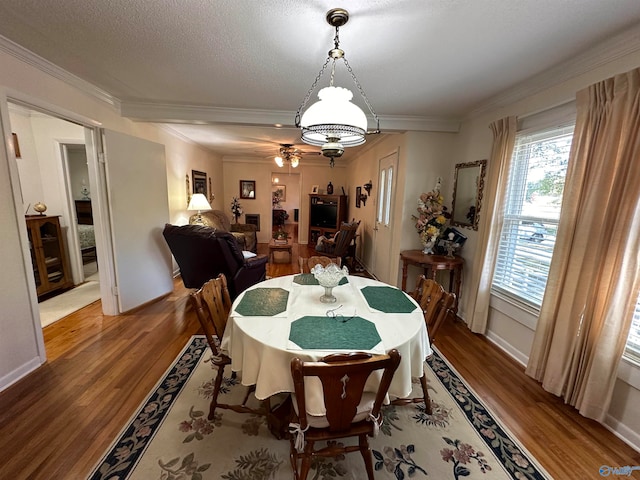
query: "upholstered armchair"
244, 233
203, 253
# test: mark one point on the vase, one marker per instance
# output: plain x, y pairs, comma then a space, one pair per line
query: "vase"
428, 247
329, 277
328, 296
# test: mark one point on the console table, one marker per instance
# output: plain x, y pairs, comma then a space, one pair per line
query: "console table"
431, 264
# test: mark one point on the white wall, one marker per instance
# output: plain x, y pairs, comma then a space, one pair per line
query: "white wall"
510, 327
316, 173
422, 158
78, 171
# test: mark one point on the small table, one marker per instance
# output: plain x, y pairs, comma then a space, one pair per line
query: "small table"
431, 264
281, 247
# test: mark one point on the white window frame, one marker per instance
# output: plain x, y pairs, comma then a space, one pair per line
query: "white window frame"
632, 350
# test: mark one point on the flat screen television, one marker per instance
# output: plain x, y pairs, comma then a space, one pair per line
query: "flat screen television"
324, 215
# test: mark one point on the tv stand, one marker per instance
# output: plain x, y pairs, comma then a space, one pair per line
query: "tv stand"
326, 214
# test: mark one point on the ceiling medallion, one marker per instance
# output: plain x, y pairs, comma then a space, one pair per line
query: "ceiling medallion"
334, 123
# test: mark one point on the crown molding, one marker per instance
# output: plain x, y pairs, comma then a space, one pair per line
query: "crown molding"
619, 46
316, 161
174, 113
56, 72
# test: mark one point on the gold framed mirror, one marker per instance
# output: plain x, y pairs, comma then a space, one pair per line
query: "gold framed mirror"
468, 185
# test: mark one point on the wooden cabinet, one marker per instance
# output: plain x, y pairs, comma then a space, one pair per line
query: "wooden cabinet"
48, 254
326, 213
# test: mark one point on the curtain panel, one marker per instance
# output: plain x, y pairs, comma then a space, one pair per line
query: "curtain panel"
504, 136
593, 280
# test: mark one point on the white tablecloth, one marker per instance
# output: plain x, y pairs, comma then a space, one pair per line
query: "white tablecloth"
260, 350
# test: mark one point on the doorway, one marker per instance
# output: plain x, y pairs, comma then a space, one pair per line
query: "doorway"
384, 217
52, 167
285, 195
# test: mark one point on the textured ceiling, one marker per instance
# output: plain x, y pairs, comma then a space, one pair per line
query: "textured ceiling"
417, 59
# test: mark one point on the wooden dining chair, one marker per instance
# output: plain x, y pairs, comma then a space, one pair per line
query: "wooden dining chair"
322, 260
304, 266
212, 304
436, 305
350, 411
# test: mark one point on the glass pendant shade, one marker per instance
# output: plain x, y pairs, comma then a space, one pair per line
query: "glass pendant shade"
294, 161
279, 161
334, 117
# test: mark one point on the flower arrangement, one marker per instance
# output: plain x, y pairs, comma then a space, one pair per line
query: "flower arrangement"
432, 215
236, 209
280, 234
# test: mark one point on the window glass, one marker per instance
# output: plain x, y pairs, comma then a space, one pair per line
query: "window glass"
534, 197
387, 201
382, 196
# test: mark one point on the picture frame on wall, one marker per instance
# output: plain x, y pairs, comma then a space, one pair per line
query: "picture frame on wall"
315, 189
248, 189
358, 195
280, 190
16, 145
199, 180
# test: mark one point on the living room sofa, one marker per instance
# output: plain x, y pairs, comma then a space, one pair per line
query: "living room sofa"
244, 233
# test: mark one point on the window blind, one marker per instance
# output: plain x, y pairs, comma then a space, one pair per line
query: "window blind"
532, 211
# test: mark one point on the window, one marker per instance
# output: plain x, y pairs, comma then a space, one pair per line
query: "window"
633, 341
532, 211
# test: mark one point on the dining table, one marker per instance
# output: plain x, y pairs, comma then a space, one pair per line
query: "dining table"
281, 318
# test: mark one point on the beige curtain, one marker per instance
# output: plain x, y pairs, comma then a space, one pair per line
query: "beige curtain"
593, 281
490, 223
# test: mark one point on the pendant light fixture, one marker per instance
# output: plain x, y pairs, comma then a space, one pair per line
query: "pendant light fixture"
333, 122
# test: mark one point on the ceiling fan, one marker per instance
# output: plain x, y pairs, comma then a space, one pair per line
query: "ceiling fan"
290, 154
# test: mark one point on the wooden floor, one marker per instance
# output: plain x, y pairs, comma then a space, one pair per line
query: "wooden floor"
56, 423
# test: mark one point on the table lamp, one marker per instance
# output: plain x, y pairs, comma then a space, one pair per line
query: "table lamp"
199, 202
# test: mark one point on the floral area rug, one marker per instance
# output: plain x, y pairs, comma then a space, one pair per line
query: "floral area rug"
170, 437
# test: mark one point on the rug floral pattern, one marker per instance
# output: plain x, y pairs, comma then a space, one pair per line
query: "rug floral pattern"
170, 438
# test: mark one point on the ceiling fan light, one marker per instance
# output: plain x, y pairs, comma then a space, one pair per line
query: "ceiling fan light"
334, 116
279, 161
294, 161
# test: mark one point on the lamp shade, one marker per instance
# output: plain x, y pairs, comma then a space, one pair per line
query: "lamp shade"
335, 117
198, 202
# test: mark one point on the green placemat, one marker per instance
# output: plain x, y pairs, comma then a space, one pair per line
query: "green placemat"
388, 299
329, 333
263, 302
309, 279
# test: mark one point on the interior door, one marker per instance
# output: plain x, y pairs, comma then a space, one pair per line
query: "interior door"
138, 206
384, 217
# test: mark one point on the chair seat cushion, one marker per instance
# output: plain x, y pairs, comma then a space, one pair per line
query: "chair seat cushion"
320, 421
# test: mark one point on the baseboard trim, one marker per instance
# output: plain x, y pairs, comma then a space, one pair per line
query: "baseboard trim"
20, 372
623, 432
506, 347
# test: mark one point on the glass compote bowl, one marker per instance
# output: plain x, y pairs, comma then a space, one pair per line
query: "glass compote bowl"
329, 277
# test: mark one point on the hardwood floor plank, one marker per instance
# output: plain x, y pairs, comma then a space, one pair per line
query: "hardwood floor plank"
57, 422
566, 444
